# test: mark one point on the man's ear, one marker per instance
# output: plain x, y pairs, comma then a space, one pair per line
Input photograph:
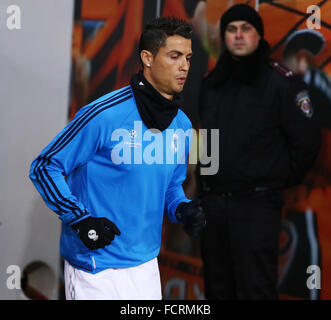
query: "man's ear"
303, 62
146, 58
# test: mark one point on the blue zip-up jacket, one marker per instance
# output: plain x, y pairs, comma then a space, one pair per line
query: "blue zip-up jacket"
107, 163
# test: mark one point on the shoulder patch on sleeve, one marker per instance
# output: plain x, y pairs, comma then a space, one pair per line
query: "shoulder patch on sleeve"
303, 102
281, 69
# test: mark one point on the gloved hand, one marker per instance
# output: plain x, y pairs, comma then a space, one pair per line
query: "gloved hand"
192, 217
96, 233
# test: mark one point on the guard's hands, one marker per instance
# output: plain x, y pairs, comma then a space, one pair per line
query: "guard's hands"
192, 217
96, 233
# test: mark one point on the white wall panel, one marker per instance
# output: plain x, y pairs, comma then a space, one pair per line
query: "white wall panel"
35, 64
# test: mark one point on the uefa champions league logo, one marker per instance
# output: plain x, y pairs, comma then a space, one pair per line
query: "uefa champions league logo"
133, 134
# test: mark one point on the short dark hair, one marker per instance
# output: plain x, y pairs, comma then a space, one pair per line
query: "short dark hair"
157, 31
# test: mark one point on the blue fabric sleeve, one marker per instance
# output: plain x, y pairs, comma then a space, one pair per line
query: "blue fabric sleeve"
70, 149
175, 193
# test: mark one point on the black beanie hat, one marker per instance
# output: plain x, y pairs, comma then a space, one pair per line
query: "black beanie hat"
242, 12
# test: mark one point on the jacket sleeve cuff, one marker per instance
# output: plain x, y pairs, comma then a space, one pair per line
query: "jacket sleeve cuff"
72, 218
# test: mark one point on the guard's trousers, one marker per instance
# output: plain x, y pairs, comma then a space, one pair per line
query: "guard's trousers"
240, 245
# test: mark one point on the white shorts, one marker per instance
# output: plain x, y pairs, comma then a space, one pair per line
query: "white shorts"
135, 283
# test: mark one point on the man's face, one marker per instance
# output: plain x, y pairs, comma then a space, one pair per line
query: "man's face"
241, 38
168, 69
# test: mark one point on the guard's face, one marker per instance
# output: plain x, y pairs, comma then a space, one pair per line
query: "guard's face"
241, 38
168, 69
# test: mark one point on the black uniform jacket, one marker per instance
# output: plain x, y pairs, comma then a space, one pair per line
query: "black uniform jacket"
268, 136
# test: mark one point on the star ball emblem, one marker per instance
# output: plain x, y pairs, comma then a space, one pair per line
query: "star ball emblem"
133, 134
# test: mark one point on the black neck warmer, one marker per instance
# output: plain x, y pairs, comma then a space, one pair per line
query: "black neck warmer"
156, 111
243, 70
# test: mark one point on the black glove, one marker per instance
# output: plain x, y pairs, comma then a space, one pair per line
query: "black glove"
96, 233
192, 216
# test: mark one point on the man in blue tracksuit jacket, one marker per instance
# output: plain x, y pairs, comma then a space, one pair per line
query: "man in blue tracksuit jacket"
117, 167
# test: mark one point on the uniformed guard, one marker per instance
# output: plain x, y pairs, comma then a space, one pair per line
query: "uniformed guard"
268, 141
